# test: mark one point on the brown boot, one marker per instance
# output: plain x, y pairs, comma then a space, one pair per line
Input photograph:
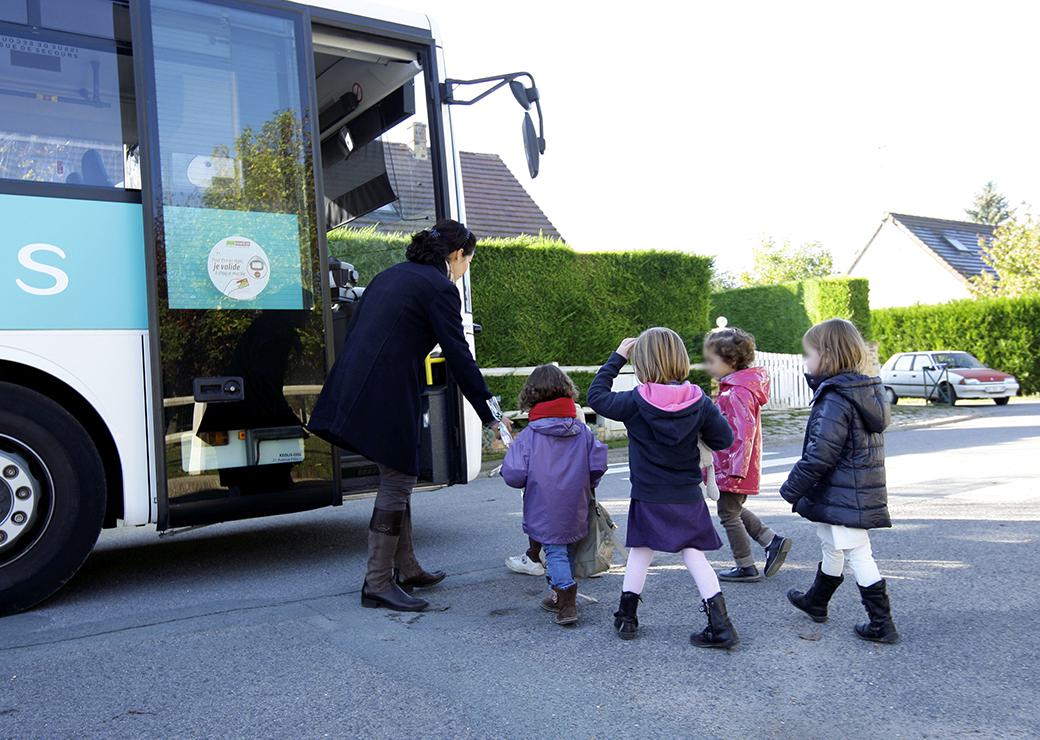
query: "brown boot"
567, 601
409, 574
551, 603
379, 589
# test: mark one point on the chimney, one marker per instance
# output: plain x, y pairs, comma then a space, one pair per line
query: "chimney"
420, 149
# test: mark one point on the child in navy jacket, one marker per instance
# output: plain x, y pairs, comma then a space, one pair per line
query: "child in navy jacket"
664, 417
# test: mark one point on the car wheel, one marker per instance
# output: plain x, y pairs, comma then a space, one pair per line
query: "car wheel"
1001, 401
947, 395
890, 394
52, 497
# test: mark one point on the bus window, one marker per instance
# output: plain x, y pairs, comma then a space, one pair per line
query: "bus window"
66, 86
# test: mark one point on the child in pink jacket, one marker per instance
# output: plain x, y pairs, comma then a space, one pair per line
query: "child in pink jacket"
728, 354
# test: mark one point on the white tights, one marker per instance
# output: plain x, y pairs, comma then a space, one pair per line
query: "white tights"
860, 558
639, 559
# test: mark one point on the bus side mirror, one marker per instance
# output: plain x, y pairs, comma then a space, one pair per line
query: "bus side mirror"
531, 145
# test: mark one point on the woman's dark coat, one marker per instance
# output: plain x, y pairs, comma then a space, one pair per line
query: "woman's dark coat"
841, 476
371, 402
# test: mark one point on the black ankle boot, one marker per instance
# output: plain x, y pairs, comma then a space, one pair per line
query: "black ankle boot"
880, 628
776, 554
625, 620
741, 574
814, 601
720, 632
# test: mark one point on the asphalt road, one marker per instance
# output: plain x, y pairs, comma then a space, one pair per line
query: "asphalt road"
253, 629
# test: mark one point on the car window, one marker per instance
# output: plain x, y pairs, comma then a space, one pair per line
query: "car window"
903, 363
921, 362
957, 360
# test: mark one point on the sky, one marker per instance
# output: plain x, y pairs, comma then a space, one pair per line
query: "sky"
710, 126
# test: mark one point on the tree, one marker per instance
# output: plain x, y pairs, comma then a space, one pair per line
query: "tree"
989, 206
1014, 256
721, 279
781, 263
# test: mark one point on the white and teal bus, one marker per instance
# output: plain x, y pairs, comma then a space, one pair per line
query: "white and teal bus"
169, 170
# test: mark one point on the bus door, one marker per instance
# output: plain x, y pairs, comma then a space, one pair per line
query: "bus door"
240, 305
380, 167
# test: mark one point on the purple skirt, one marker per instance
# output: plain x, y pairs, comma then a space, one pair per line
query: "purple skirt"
671, 527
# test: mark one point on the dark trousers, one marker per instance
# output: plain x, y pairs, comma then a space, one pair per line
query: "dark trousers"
739, 523
395, 489
390, 530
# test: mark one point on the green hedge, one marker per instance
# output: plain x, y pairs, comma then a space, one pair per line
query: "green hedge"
778, 315
540, 301
1002, 332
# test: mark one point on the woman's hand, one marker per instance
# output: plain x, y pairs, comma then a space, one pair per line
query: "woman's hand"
626, 346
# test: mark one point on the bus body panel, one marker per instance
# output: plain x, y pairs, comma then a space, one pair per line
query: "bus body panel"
73, 264
115, 388
472, 428
73, 305
374, 11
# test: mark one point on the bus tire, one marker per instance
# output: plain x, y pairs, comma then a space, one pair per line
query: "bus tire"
53, 480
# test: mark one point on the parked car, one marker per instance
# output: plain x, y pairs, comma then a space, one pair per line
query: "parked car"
944, 377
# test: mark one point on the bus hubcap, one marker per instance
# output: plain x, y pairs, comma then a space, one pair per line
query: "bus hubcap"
19, 496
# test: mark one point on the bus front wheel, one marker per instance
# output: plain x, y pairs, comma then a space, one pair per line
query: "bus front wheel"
52, 497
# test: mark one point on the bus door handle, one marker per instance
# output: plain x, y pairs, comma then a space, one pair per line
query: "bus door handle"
220, 389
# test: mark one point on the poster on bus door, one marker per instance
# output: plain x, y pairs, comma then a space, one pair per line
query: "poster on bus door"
233, 259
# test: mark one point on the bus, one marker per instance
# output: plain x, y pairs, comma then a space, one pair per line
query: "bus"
169, 173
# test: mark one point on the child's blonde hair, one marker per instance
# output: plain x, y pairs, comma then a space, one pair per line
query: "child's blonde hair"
660, 356
841, 347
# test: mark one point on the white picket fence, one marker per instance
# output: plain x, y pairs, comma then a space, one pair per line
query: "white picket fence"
787, 380
786, 377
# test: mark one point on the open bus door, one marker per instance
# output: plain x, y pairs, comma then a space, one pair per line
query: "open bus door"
378, 170
241, 312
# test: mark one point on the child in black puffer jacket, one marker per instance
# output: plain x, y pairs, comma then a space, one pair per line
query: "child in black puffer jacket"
839, 483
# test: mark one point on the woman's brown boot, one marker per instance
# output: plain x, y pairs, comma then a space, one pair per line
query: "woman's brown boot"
379, 589
408, 573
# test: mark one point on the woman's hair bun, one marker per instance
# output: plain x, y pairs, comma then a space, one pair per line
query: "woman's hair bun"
432, 246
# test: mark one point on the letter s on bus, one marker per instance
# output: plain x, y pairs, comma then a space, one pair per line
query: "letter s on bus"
60, 277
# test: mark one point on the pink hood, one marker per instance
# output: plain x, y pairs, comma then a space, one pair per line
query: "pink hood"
753, 379
670, 397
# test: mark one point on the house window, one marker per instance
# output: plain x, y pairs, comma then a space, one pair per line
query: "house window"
955, 243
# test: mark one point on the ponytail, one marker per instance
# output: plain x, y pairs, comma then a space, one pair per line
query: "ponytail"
432, 246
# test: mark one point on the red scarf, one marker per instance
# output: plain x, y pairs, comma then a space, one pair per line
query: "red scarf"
559, 408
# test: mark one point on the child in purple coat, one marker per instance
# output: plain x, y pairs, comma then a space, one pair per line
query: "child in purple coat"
558, 462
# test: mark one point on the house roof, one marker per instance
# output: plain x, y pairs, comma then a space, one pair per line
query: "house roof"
496, 203
954, 243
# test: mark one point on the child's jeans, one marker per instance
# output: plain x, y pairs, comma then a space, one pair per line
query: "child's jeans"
739, 523
558, 565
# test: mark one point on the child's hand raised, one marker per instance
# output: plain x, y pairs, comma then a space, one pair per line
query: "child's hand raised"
626, 346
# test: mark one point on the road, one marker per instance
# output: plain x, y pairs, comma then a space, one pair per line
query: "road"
253, 629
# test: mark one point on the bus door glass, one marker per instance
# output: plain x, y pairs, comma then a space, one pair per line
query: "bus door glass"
377, 169
242, 338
